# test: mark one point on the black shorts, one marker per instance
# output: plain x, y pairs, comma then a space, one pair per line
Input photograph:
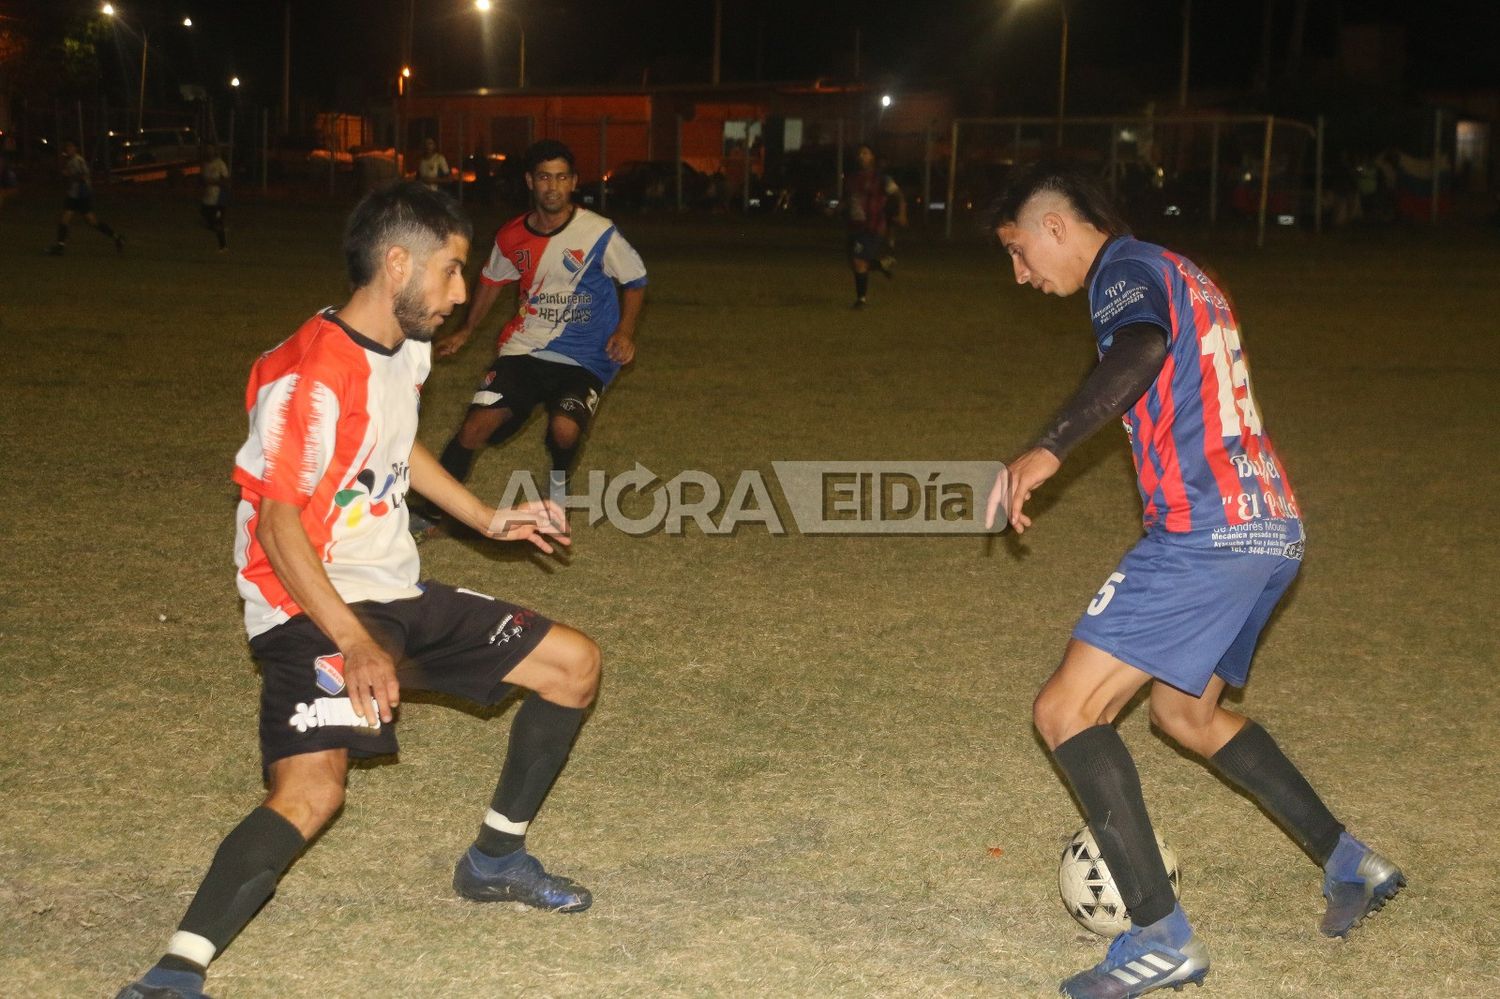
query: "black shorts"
212, 214
82, 205
866, 245
447, 639
520, 382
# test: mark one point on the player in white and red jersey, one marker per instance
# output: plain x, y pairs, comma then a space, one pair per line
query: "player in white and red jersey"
338, 616
1185, 608
572, 330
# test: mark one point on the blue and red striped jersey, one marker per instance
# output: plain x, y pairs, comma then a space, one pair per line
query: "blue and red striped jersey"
1204, 462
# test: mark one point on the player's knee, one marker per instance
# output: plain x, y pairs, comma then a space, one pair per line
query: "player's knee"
563, 433
579, 663
1050, 713
308, 804
477, 427
1183, 728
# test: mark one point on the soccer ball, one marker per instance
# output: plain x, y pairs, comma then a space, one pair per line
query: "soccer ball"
1088, 889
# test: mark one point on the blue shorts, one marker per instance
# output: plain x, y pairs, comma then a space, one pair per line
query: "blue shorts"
1183, 613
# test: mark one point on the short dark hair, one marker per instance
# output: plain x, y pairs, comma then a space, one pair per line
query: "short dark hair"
544, 150
405, 213
1083, 193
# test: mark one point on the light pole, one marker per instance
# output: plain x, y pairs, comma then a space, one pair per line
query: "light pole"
108, 10
1062, 74
486, 7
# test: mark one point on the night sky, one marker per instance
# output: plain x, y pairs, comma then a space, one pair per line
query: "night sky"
999, 56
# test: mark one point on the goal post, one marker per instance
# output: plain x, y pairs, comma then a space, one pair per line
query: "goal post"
1260, 167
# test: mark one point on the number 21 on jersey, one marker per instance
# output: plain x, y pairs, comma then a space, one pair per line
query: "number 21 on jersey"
1237, 410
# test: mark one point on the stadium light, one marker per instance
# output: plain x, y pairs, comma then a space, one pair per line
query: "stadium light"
885, 100
487, 7
187, 22
234, 81
108, 10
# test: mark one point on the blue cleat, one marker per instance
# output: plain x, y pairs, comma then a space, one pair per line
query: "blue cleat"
1165, 954
518, 877
140, 990
1357, 882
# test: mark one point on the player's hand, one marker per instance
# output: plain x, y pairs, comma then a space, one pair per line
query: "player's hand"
621, 347
370, 674
1026, 474
540, 522
451, 344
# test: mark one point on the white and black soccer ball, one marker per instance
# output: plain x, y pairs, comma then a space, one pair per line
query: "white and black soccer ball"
1088, 889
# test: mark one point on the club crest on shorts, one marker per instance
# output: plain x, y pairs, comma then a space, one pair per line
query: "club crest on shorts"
510, 626
329, 671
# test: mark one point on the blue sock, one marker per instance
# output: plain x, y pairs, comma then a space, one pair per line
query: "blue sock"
492, 866
1343, 864
183, 981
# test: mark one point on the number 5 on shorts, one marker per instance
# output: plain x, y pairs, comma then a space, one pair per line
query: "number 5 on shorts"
1106, 594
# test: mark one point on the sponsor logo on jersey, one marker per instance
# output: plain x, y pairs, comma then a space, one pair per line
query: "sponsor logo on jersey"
377, 504
329, 671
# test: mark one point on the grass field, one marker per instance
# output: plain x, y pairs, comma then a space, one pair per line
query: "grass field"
808, 750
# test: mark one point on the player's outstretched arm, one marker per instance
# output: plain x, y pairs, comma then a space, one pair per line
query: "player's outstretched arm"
621, 345
540, 523
369, 671
480, 303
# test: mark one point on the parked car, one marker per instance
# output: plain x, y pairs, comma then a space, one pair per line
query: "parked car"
154, 152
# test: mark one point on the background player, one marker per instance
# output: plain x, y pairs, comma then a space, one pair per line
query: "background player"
214, 175
79, 200
335, 612
871, 195
1186, 606
572, 330
432, 168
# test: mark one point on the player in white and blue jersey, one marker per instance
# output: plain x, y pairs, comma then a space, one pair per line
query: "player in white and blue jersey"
79, 200
1185, 607
580, 291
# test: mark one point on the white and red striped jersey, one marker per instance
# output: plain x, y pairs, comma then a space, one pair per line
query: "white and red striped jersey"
333, 416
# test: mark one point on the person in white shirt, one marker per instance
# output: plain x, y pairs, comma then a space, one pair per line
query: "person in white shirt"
432, 168
215, 177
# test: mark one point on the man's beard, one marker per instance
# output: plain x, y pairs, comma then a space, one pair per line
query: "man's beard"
412, 315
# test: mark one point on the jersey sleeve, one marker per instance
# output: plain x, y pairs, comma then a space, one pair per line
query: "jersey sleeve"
1131, 292
499, 269
623, 264
294, 426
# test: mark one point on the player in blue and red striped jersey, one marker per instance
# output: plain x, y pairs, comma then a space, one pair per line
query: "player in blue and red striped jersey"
874, 201
1186, 606
572, 330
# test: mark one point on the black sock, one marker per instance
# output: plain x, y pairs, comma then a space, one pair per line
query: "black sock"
219, 234
540, 739
1252, 762
242, 877
458, 460
562, 459
861, 284
62, 233
1104, 778
104, 228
